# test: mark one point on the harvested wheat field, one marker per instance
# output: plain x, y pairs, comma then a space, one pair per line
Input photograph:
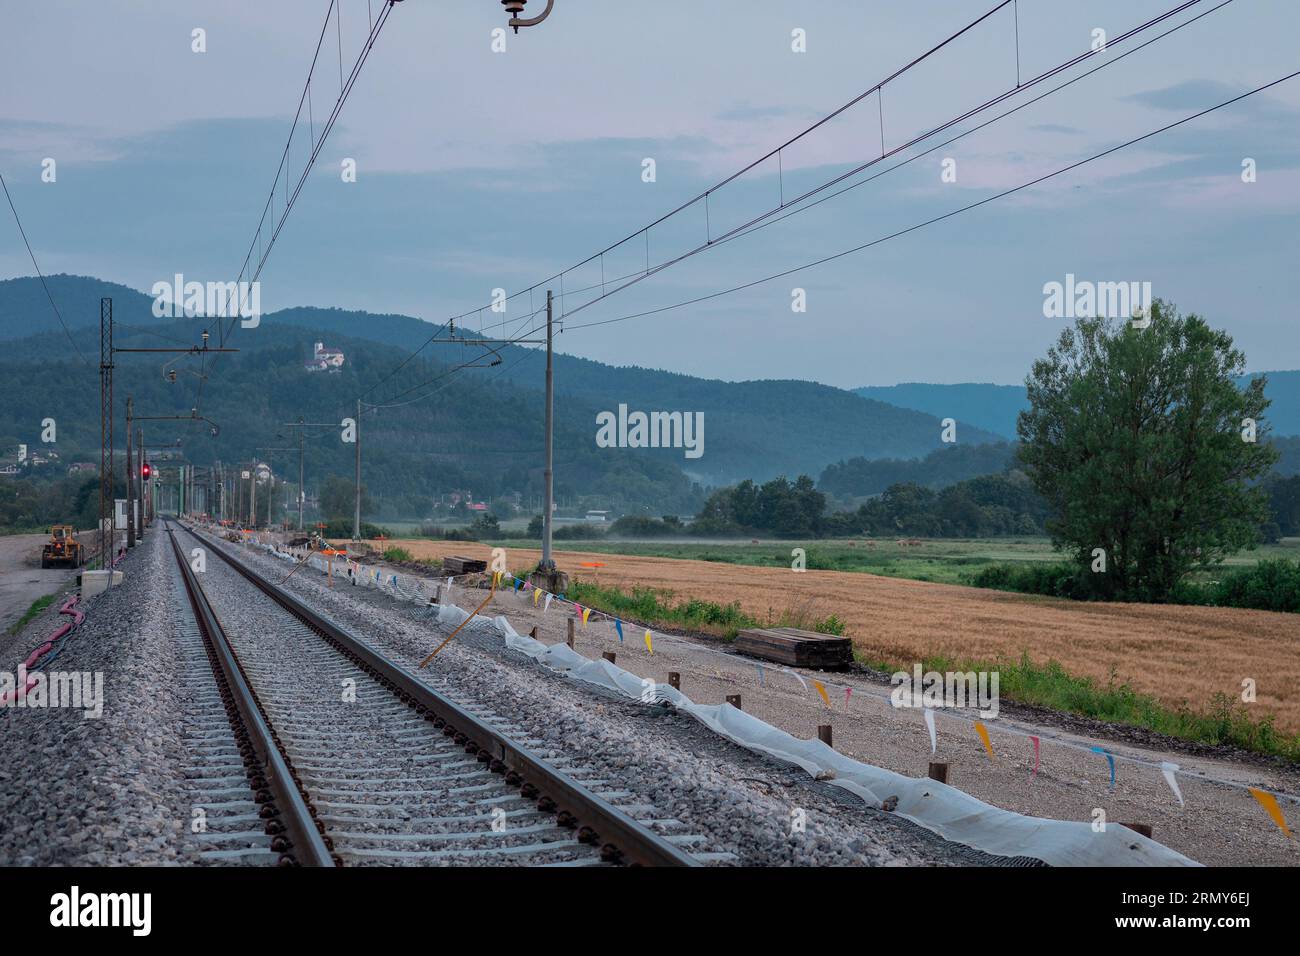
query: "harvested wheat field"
1180, 655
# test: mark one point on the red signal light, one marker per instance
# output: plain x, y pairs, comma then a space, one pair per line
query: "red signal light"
146, 470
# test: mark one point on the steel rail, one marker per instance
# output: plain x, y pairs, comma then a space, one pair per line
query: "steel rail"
306, 844
622, 838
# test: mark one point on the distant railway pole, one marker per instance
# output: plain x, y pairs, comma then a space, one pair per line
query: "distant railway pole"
106, 353
554, 579
130, 480
356, 517
547, 565
106, 435
300, 425
270, 491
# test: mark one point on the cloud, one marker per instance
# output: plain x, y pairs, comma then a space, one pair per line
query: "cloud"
1056, 128
1185, 97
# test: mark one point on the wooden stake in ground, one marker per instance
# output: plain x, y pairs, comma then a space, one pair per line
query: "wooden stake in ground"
462, 624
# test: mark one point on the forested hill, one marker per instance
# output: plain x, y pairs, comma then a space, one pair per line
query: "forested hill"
753, 430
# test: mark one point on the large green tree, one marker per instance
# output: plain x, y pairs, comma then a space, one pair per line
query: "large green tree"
338, 499
1140, 442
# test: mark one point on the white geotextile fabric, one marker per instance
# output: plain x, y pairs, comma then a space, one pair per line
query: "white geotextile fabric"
947, 811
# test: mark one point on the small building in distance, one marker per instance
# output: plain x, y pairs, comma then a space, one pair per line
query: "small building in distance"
324, 360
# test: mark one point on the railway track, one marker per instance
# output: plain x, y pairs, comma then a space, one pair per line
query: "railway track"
226, 823
355, 760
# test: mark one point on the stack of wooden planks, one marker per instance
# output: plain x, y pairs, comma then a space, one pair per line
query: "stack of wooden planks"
458, 564
789, 645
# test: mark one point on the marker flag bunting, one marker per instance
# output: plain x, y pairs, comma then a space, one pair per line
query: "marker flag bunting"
1269, 803
1110, 759
618, 626
984, 737
648, 646
934, 737
1169, 770
821, 689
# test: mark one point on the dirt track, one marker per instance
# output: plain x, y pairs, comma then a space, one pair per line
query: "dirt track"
22, 579
1182, 655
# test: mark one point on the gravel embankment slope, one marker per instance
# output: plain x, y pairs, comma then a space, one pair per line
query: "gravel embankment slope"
743, 803
1218, 826
76, 791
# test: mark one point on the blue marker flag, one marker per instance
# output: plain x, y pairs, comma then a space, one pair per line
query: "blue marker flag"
618, 626
1110, 759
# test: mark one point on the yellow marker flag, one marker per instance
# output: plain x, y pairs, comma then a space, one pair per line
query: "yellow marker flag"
536, 594
822, 690
1269, 803
586, 613
984, 736
648, 646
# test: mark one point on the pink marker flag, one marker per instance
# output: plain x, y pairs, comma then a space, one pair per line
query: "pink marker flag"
1035, 740
848, 692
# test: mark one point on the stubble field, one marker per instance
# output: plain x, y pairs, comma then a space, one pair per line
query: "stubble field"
1183, 656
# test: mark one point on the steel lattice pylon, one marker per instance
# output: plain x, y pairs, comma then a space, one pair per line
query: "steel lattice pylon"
106, 434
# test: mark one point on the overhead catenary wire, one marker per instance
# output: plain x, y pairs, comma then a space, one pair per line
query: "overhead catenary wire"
940, 218
559, 276
886, 154
35, 265
635, 277
345, 91
757, 225
793, 208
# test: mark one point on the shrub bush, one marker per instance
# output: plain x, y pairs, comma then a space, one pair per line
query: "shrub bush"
1272, 585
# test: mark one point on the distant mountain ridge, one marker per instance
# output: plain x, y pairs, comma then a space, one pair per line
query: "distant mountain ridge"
994, 407
756, 430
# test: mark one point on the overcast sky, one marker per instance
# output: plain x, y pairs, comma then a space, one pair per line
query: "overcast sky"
478, 170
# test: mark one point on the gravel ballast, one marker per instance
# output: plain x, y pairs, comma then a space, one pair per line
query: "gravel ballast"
1218, 825
111, 790
744, 805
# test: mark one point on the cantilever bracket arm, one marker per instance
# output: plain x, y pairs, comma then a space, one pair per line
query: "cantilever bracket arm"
518, 22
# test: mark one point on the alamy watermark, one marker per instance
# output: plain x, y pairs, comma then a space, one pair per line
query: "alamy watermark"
180, 299
1087, 300
653, 430
951, 689
82, 690
76, 909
